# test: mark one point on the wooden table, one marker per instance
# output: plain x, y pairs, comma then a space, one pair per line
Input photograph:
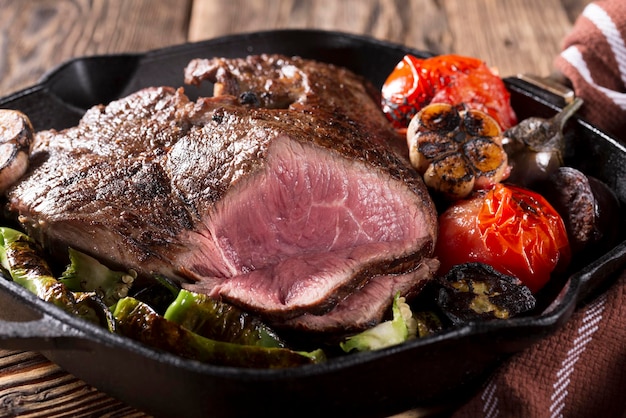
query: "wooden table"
515, 36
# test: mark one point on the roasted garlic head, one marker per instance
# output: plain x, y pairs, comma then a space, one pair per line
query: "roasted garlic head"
457, 150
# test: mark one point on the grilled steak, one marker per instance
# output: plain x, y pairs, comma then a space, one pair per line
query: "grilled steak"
280, 194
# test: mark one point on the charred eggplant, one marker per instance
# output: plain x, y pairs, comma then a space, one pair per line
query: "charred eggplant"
477, 292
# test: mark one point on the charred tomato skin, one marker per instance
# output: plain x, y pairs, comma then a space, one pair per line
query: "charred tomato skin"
453, 79
513, 229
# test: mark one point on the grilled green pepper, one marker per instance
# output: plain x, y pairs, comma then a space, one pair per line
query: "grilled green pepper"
219, 321
138, 321
86, 274
22, 260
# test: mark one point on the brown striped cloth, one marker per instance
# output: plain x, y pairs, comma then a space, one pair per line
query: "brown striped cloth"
594, 60
580, 371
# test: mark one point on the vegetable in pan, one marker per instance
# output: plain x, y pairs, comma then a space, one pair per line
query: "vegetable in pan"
213, 319
451, 79
138, 321
86, 274
16, 138
477, 292
513, 229
456, 149
22, 261
536, 146
589, 209
399, 329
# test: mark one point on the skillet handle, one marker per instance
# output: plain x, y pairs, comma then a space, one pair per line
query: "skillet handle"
26, 324
45, 333
554, 83
601, 273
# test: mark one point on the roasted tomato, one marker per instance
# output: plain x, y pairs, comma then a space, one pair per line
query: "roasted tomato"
451, 79
514, 230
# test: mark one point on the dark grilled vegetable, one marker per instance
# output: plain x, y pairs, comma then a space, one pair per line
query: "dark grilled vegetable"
477, 292
588, 207
536, 145
91, 307
158, 292
138, 321
428, 323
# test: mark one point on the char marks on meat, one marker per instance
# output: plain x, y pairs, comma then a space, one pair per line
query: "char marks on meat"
281, 194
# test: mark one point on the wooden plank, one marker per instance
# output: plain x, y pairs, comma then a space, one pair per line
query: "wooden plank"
37, 35
420, 24
31, 386
516, 36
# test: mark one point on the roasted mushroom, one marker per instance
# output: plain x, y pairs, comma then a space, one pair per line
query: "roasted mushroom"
16, 138
457, 150
588, 207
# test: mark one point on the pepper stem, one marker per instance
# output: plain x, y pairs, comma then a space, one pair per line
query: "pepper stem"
561, 118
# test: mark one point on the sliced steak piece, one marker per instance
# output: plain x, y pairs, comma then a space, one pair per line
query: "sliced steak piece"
282, 211
367, 307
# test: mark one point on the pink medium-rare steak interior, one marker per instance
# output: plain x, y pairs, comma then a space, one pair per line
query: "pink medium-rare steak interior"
307, 223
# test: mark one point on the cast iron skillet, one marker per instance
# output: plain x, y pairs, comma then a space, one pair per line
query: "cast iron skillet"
430, 374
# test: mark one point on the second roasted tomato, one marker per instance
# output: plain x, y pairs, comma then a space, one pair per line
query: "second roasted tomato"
514, 230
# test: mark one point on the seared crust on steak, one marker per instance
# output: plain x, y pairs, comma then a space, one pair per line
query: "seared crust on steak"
279, 82
286, 205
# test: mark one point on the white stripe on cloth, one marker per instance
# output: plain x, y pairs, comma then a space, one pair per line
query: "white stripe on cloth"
490, 399
575, 58
601, 19
591, 319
